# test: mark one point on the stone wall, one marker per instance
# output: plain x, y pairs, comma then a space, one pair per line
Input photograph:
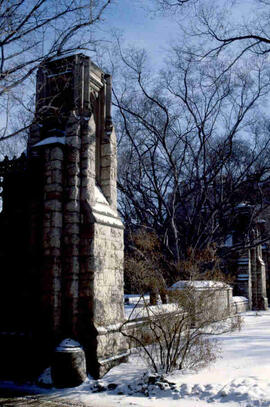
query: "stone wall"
79, 257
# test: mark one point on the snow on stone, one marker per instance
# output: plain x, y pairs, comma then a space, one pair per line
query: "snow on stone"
139, 312
198, 285
238, 298
59, 73
68, 344
102, 211
137, 299
51, 140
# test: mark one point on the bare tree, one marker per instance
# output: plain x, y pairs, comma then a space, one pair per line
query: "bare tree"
222, 31
145, 269
179, 166
171, 5
32, 31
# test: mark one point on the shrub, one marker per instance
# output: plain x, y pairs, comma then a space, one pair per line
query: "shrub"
180, 335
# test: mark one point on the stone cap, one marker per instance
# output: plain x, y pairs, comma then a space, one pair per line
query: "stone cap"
68, 345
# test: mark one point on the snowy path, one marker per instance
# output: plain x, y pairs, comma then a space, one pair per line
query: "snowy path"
241, 378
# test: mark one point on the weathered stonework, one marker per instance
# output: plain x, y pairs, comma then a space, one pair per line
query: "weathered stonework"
249, 263
80, 246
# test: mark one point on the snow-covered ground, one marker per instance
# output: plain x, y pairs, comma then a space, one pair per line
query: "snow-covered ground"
241, 377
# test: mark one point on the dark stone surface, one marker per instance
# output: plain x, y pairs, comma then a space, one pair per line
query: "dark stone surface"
69, 368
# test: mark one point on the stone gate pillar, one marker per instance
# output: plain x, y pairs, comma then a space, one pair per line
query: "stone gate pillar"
258, 276
81, 264
250, 266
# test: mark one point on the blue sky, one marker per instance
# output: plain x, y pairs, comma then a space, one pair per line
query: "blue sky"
155, 32
140, 27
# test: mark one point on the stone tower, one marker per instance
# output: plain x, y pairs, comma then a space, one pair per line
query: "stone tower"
74, 234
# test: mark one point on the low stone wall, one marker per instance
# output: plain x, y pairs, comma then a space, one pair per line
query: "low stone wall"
138, 324
139, 317
202, 292
112, 348
239, 304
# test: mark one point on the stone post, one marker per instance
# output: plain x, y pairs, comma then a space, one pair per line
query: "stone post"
71, 230
52, 237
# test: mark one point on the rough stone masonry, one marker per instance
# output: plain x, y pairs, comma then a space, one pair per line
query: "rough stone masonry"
73, 238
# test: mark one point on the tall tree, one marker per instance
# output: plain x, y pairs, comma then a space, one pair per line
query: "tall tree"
182, 138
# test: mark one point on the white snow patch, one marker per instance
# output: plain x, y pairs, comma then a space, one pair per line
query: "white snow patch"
198, 285
102, 211
238, 298
136, 299
59, 73
68, 344
239, 379
45, 378
51, 140
132, 312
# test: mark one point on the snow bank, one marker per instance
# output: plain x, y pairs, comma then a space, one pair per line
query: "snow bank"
239, 379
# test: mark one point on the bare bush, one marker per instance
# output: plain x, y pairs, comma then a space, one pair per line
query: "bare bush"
181, 334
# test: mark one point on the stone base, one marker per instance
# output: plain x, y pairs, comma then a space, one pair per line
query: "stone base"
106, 364
112, 348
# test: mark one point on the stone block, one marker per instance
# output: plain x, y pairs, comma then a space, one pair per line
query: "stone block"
72, 228
88, 172
56, 176
57, 153
73, 181
73, 170
73, 206
72, 287
71, 265
73, 193
71, 217
106, 173
73, 141
71, 239
55, 240
87, 192
116, 244
53, 205
106, 161
73, 156
56, 164
56, 219
74, 250
106, 150
48, 180
53, 195
117, 233
88, 153
89, 182
53, 188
